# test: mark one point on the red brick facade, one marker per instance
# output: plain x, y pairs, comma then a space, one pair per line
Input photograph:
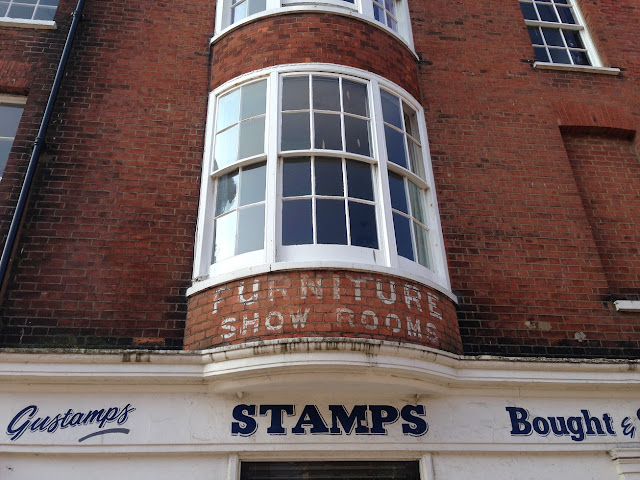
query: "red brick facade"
536, 175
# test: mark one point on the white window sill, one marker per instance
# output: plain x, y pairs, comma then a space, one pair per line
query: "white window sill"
347, 11
201, 284
576, 68
22, 23
627, 305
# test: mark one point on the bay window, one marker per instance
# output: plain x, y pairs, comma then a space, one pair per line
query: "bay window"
317, 164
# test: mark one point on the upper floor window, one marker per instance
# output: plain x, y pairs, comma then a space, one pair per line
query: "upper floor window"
558, 34
33, 10
392, 15
317, 164
10, 113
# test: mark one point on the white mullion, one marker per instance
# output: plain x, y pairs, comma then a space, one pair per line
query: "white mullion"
312, 139
345, 194
237, 209
273, 189
414, 242
314, 226
343, 133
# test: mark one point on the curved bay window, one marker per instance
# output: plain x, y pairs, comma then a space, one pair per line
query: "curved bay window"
317, 165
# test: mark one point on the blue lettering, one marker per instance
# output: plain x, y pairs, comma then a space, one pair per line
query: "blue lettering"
340, 418
310, 416
519, 423
380, 416
18, 431
574, 424
415, 425
276, 427
245, 425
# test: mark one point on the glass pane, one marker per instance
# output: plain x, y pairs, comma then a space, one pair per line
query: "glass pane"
566, 16
43, 13
422, 245
9, 120
378, 13
417, 203
390, 6
528, 11
354, 98
327, 132
296, 222
553, 37
398, 193
415, 159
251, 138
239, 12
331, 221
391, 112
256, 6
329, 177
326, 93
295, 131
535, 35
226, 150
224, 237
5, 148
3, 8
559, 56
541, 54
228, 110
296, 177
32, 2
252, 185
359, 182
251, 229
356, 133
21, 11
573, 39
392, 24
49, 3
372, 470
227, 193
295, 93
362, 222
395, 146
402, 229
547, 13
254, 100
579, 58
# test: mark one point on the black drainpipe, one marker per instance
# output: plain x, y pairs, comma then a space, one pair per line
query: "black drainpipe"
37, 147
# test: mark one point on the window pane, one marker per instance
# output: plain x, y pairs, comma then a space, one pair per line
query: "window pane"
239, 12
417, 203
541, 54
21, 11
547, 14
580, 58
422, 245
327, 132
3, 8
296, 222
224, 237
553, 37
372, 470
573, 39
295, 131
359, 180
254, 100
559, 56
251, 138
257, 6
49, 3
535, 35
356, 133
295, 93
362, 222
228, 110
296, 177
331, 221
226, 151
391, 112
395, 146
391, 23
398, 193
5, 148
9, 120
251, 229
415, 159
354, 97
378, 13
390, 6
227, 193
252, 186
565, 15
402, 229
329, 177
528, 11
326, 93
43, 13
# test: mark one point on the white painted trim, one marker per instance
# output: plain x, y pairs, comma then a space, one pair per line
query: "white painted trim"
576, 68
627, 305
426, 467
627, 462
23, 23
13, 99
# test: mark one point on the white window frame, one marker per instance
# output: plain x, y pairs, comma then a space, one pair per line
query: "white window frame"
361, 9
579, 26
13, 100
27, 22
274, 256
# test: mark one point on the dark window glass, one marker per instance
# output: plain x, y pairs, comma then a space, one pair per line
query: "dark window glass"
547, 13
398, 193
580, 58
295, 131
559, 56
565, 15
553, 37
296, 222
43, 13
296, 177
329, 177
326, 93
573, 39
354, 97
5, 149
535, 35
356, 133
21, 11
295, 93
359, 180
402, 229
541, 54
3, 9
395, 146
331, 221
362, 222
330, 471
528, 11
327, 132
391, 111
